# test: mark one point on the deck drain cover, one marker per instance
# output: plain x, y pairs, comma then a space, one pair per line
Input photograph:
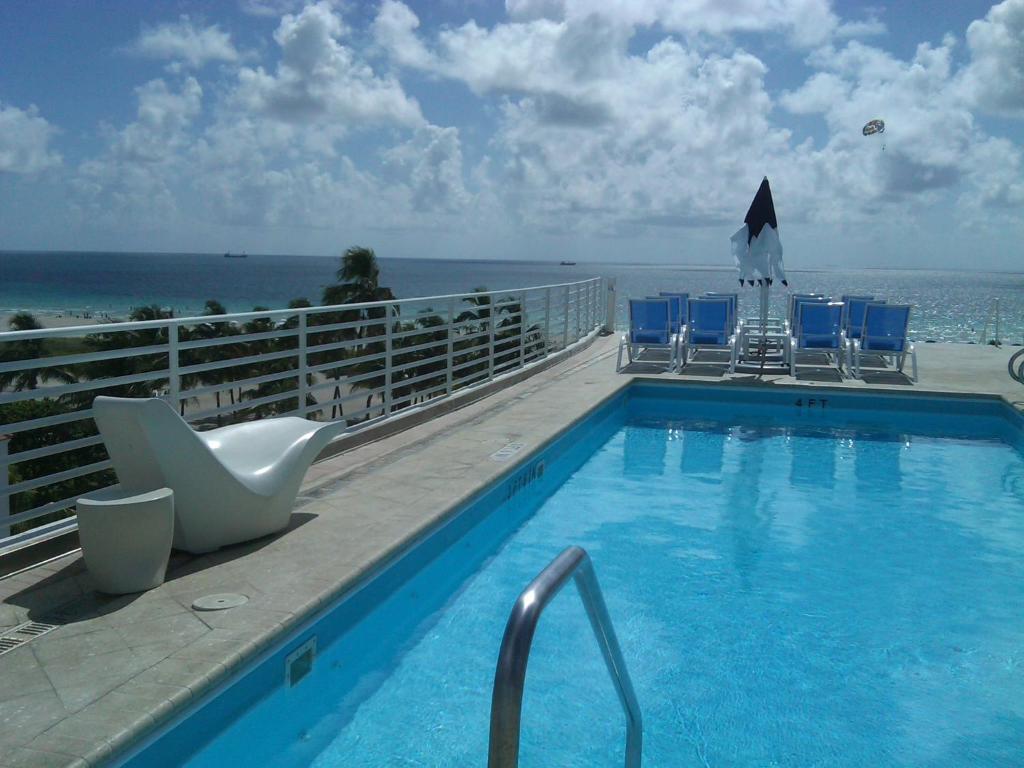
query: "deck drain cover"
21, 634
219, 602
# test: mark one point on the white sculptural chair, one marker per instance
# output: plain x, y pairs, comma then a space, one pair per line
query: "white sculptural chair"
230, 484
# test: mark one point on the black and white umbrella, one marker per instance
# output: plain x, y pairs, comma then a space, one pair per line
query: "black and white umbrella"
756, 246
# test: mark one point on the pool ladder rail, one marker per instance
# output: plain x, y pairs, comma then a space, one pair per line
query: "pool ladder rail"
510, 675
1015, 366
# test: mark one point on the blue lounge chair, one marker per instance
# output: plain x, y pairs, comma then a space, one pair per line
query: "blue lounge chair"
818, 329
650, 327
734, 306
792, 317
884, 333
853, 314
710, 326
680, 306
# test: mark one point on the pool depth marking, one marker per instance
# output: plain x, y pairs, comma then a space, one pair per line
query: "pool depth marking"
506, 452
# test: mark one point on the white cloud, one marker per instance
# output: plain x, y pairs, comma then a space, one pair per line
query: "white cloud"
932, 145
994, 80
869, 27
433, 160
138, 178
320, 80
24, 141
184, 42
805, 22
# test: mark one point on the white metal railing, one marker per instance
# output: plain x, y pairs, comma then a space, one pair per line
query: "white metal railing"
358, 362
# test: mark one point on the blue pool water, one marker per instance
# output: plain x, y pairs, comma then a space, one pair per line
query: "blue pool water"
792, 585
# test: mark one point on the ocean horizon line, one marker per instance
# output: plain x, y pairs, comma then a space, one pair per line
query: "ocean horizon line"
697, 266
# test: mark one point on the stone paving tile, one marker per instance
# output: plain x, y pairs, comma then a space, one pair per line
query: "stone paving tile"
23, 757
24, 675
24, 717
173, 632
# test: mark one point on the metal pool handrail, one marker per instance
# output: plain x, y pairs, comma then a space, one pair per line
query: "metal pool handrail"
510, 675
1016, 368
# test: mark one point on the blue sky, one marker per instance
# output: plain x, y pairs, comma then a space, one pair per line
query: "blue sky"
615, 130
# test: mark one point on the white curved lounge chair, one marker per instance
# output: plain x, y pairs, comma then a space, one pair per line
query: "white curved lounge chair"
230, 484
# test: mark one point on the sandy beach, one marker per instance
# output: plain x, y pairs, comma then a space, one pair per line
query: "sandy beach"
51, 319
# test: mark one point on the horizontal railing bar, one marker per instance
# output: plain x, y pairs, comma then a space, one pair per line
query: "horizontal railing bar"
241, 338
243, 405
419, 363
237, 361
85, 357
49, 450
57, 477
46, 509
470, 363
117, 327
220, 387
424, 331
469, 378
40, 533
348, 343
417, 379
45, 421
361, 394
399, 351
365, 322
414, 395
349, 379
67, 389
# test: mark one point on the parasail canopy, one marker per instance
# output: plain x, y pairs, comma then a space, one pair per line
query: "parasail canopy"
871, 127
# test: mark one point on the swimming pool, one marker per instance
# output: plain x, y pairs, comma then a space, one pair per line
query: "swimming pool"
796, 578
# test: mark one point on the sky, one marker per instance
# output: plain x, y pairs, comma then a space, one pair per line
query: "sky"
602, 130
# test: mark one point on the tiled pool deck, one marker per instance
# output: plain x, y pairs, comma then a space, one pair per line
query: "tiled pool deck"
115, 669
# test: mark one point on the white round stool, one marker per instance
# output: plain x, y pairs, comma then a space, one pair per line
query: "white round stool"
126, 538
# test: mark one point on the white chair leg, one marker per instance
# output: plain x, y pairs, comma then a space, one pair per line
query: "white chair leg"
913, 363
618, 361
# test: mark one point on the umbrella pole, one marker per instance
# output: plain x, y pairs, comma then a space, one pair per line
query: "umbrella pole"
763, 317
764, 308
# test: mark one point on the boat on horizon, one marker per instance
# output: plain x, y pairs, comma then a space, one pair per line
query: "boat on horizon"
567, 263
230, 255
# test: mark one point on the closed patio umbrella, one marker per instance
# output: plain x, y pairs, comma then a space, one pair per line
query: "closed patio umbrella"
757, 249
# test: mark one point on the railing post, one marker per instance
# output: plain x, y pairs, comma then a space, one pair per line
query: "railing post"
449, 373
547, 322
609, 309
490, 338
303, 366
5, 499
565, 319
522, 329
387, 360
173, 366
579, 309
997, 339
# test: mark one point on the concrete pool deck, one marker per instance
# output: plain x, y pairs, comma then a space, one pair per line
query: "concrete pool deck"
118, 668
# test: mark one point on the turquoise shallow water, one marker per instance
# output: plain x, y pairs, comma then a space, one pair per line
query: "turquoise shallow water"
787, 592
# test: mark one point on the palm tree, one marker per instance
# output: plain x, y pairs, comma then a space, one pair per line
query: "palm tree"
29, 349
478, 320
214, 330
359, 282
111, 339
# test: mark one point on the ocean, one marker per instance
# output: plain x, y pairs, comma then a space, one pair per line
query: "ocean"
948, 305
